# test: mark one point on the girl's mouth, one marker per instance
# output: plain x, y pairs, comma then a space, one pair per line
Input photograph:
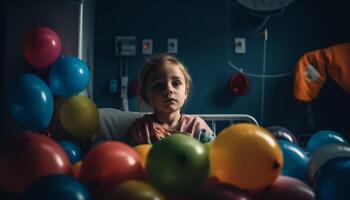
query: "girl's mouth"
170, 100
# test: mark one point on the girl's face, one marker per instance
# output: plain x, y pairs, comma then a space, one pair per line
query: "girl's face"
166, 88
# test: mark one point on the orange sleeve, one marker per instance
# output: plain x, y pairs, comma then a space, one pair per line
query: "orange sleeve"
339, 65
310, 75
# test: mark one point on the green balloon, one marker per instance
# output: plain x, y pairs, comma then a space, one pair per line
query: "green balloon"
178, 164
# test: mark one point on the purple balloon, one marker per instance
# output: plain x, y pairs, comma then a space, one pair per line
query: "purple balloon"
222, 191
288, 188
283, 134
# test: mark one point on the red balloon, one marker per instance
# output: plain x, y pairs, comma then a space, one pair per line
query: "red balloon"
41, 47
28, 157
239, 84
109, 164
288, 188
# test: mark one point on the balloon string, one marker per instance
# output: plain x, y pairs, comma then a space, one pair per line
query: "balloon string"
258, 75
47, 133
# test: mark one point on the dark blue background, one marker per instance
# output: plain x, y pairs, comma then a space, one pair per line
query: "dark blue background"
206, 30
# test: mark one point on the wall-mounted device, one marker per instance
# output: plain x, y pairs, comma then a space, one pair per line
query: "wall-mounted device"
265, 5
113, 86
172, 45
124, 93
147, 46
125, 45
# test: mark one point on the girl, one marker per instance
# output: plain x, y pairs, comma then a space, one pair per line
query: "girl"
164, 85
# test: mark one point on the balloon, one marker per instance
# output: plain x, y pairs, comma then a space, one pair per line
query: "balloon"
55, 187
68, 76
295, 160
222, 191
246, 156
208, 147
75, 169
79, 116
332, 182
143, 150
28, 157
136, 190
177, 164
41, 47
32, 102
239, 84
323, 155
289, 188
109, 164
283, 134
73, 151
322, 138
257, 193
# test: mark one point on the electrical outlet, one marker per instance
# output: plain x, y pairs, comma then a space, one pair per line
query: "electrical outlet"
240, 45
172, 45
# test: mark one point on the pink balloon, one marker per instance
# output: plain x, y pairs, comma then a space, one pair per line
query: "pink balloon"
222, 191
288, 188
41, 47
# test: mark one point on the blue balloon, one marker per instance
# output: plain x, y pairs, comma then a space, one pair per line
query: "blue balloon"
72, 150
68, 76
332, 180
31, 102
55, 187
322, 138
295, 160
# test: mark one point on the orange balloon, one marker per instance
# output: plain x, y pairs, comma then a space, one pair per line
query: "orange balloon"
246, 156
143, 150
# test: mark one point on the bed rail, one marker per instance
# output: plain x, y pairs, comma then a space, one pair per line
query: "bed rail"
232, 118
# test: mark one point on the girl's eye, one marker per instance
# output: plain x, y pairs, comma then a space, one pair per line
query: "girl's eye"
157, 86
177, 83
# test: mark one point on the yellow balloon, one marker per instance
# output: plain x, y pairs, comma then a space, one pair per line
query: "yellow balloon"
143, 150
246, 155
208, 147
135, 190
79, 116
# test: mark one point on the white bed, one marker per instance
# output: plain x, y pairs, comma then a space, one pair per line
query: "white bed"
114, 122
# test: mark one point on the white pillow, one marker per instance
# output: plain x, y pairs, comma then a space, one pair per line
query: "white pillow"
113, 124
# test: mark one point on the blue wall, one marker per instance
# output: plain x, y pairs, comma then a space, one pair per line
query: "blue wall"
205, 30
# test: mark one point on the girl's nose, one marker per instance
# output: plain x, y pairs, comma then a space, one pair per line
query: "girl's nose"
168, 91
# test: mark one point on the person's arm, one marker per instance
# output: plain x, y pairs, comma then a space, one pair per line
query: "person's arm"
137, 133
203, 132
133, 135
